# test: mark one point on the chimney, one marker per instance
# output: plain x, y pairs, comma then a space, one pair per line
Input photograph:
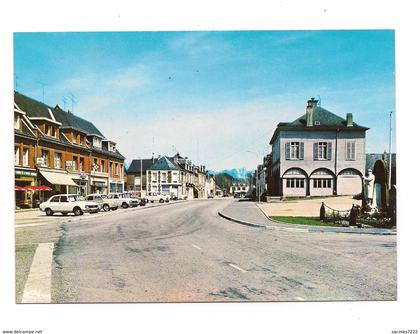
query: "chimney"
349, 119
310, 111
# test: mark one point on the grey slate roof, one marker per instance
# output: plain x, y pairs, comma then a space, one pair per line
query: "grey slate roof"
164, 164
137, 164
69, 120
327, 121
31, 107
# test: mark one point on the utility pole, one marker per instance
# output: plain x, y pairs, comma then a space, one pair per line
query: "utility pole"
390, 146
141, 177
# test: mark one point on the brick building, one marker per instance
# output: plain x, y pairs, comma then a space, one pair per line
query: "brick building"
59, 152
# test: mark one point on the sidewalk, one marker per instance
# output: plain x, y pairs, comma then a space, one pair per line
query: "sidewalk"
248, 213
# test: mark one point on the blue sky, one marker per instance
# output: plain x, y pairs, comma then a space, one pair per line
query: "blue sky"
213, 96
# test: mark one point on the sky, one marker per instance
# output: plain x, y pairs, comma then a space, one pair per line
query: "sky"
215, 97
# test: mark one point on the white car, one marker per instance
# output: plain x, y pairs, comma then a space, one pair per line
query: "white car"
124, 200
105, 203
68, 203
152, 197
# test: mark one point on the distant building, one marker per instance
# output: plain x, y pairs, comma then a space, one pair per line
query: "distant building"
239, 189
136, 174
318, 154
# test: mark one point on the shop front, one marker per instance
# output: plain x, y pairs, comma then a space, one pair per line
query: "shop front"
116, 186
98, 185
59, 181
23, 197
81, 187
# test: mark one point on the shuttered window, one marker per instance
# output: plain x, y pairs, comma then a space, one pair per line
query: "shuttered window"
350, 150
294, 151
322, 151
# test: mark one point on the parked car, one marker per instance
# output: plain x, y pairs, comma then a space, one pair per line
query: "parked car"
155, 197
210, 196
105, 203
124, 200
142, 201
67, 203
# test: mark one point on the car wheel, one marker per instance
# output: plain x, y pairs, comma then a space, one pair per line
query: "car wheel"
105, 207
113, 209
161, 201
124, 205
77, 211
49, 212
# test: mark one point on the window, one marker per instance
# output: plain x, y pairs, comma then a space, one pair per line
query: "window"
55, 199
295, 183
117, 169
164, 179
102, 166
321, 183
47, 129
154, 177
57, 160
81, 164
73, 138
294, 151
74, 162
350, 150
322, 151
26, 156
17, 122
17, 155
63, 199
110, 168
45, 155
53, 131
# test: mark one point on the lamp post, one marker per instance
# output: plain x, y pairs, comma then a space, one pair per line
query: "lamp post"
389, 154
257, 190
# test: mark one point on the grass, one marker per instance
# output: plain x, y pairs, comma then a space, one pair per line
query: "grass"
301, 221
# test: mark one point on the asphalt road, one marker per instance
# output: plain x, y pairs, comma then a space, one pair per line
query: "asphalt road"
186, 252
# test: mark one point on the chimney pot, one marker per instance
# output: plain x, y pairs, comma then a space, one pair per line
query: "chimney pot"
349, 119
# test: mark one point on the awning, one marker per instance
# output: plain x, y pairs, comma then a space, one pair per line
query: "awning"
58, 178
18, 188
40, 188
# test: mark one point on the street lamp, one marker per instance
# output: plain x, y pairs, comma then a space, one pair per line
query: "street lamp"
257, 187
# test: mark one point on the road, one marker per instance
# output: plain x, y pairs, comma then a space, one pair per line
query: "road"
185, 252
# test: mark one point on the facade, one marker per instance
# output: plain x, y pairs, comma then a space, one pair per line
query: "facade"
136, 174
164, 177
318, 154
59, 152
210, 187
239, 189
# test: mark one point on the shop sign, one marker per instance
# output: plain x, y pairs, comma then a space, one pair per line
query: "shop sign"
25, 173
69, 163
40, 161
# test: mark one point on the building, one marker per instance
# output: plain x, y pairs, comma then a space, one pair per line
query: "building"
164, 177
136, 174
318, 154
239, 189
210, 187
59, 152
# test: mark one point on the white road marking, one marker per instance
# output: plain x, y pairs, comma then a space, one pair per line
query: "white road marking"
237, 268
195, 246
38, 286
299, 298
29, 225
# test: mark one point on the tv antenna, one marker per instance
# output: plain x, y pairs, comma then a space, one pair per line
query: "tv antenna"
73, 100
64, 103
43, 90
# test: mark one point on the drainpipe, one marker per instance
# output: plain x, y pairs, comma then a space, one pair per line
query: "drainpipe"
335, 162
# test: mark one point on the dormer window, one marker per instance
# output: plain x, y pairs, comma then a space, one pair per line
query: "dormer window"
73, 138
111, 147
17, 122
53, 131
47, 129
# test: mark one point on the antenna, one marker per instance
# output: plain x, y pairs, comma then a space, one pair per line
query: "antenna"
73, 100
43, 90
16, 82
64, 103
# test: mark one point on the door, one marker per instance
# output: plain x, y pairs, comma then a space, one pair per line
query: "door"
55, 203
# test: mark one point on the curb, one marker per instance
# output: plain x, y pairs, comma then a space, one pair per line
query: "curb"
240, 221
303, 229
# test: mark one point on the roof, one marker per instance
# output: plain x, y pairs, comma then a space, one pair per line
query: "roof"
322, 120
31, 107
137, 165
69, 120
164, 164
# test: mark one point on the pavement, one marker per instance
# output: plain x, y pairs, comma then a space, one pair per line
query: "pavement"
251, 214
188, 253
307, 207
